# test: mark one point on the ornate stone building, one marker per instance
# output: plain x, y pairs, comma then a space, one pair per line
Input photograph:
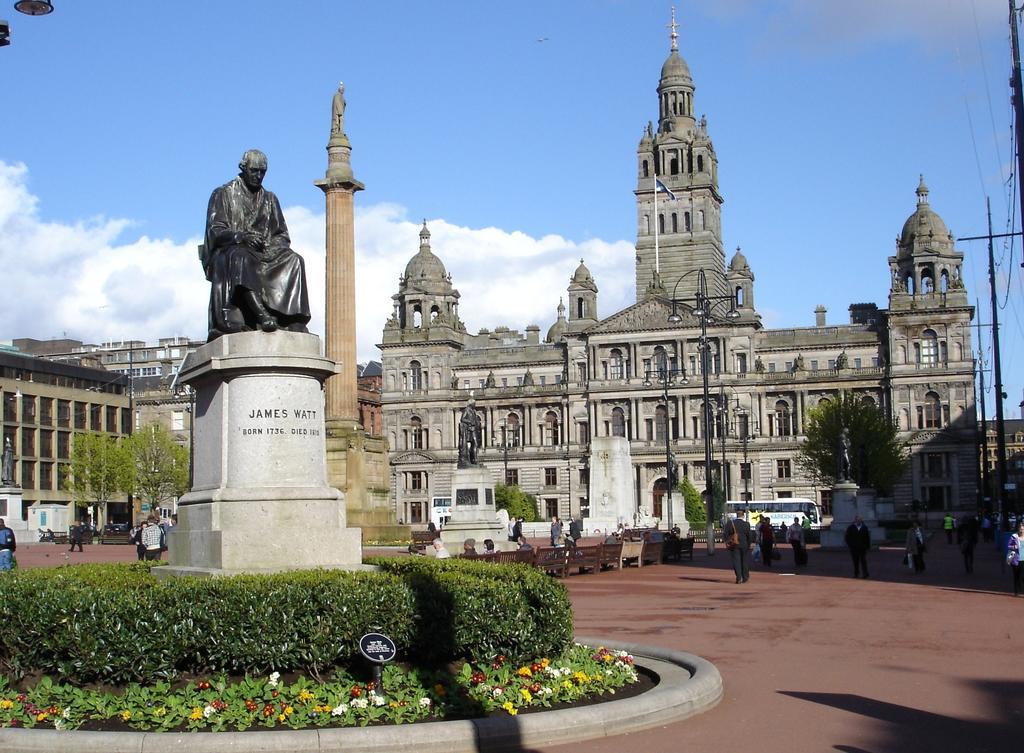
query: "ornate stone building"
541, 402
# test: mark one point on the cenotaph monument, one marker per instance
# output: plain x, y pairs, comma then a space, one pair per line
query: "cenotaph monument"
260, 501
474, 515
611, 484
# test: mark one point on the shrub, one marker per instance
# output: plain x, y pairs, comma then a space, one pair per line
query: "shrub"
117, 623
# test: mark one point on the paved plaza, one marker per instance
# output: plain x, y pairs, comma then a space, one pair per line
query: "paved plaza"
811, 662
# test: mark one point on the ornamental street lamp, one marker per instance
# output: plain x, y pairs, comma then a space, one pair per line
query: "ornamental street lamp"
703, 305
666, 377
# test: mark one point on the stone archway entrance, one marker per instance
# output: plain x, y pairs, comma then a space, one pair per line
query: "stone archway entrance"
658, 502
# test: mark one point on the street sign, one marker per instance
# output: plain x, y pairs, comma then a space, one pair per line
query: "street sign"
377, 647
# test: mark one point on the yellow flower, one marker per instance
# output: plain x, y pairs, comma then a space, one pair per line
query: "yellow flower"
524, 672
545, 662
42, 717
512, 710
197, 713
6, 703
393, 705
566, 684
288, 711
525, 694
126, 715
580, 677
162, 711
607, 658
305, 696
281, 717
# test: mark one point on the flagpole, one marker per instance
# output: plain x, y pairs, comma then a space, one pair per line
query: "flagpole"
657, 259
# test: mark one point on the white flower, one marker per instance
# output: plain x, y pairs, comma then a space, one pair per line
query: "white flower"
424, 702
339, 710
274, 677
360, 703
498, 692
485, 688
67, 713
208, 711
546, 690
378, 700
59, 724
623, 654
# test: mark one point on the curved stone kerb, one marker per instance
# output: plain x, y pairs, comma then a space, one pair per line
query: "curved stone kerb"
688, 685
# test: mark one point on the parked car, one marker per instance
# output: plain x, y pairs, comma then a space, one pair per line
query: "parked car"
116, 528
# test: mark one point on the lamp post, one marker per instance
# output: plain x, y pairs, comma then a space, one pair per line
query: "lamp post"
702, 304
506, 443
666, 378
745, 434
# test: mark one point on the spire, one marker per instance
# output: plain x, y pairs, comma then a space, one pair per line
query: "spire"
424, 236
561, 308
922, 192
674, 36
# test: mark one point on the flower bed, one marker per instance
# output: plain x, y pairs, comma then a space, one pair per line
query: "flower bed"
407, 695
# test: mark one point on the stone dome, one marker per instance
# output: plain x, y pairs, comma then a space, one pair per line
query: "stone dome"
923, 223
559, 327
425, 265
739, 262
582, 274
675, 70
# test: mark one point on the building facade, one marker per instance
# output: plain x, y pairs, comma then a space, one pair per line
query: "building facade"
542, 401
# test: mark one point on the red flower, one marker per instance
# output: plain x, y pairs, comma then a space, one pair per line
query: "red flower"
371, 685
250, 705
21, 697
15, 723
203, 684
268, 709
477, 677
356, 691
535, 687
274, 694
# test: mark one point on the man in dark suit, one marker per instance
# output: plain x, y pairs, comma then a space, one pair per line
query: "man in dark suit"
858, 539
740, 552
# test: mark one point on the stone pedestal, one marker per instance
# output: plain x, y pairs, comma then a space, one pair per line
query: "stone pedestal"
260, 500
611, 484
473, 513
847, 502
11, 509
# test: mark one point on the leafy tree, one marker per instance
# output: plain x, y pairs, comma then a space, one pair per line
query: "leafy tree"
516, 501
159, 465
101, 468
877, 457
696, 512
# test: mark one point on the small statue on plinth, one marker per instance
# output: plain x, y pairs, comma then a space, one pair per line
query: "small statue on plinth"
338, 110
844, 455
7, 464
469, 436
257, 282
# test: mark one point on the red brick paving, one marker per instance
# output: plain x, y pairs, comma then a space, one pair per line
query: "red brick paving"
811, 662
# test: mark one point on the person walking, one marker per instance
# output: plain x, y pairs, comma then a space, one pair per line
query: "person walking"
738, 539
556, 530
8, 545
949, 525
152, 539
1014, 549
967, 533
858, 539
798, 542
77, 532
916, 547
766, 536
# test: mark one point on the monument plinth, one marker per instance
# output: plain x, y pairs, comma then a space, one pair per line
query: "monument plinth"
260, 501
474, 515
849, 501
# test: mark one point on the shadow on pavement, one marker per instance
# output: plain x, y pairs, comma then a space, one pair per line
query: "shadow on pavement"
908, 729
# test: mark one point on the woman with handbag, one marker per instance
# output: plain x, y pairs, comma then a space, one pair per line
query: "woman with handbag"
916, 548
1013, 554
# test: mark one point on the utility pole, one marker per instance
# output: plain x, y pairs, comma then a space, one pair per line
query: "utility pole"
997, 371
1018, 103
982, 496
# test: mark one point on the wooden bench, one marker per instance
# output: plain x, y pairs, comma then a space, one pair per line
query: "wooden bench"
552, 560
685, 549
525, 556
115, 538
584, 557
421, 540
611, 556
651, 553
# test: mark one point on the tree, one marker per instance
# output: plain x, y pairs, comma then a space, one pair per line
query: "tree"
159, 465
100, 468
693, 504
516, 501
877, 457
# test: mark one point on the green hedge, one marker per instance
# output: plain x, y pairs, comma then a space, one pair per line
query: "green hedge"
117, 623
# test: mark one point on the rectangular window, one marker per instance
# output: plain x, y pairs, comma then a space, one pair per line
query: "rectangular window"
178, 420
771, 366
783, 469
550, 477
934, 466
28, 475
814, 364
96, 417
416, 480
741, 363
543, 380
482, 382
10, 408
465, 384
856, 363
46, 475
744, 471
789, 365
63, 445
46, 411
28, 409
28, 441
831, 363
584, 476
519, 381
558, 378
550, 507
46, 443
80, 414
874, 363
512, 477
63, 472
784, 495
584, 507
64, 414
504, 381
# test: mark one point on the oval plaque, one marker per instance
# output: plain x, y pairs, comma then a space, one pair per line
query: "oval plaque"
377, 647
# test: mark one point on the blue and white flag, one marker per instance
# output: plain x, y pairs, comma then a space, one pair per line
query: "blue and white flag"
662, 188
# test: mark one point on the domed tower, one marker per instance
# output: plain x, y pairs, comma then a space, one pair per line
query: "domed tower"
926, 261
679, 229
582, 299
559, 327
741, 286
425, 295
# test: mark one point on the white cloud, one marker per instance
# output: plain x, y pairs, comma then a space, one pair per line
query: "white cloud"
85, 281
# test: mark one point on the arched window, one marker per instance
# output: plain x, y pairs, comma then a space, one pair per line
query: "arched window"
417, 316
551, 434
646, 169
700, 219
658, 497
739, 295
700, 163
944, 281
930, 414
909, 284
903, 354
434, 311
647, 224
868, 400
929, 348
927, 280
616, 365
783, 419
618, 422
660, 360
511, 430
660, 422
661, 223
673, 166
416, 433
675, 223
905, 419
416, 375
686, 221
580, 307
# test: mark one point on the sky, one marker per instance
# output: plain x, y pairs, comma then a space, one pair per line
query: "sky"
512, 130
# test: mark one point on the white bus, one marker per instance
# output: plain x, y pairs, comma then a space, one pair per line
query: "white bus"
440, 510
778, 511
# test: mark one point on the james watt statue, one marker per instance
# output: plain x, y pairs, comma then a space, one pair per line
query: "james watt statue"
257, 281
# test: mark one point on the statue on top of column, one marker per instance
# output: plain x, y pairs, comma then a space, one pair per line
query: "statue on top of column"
338, 110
